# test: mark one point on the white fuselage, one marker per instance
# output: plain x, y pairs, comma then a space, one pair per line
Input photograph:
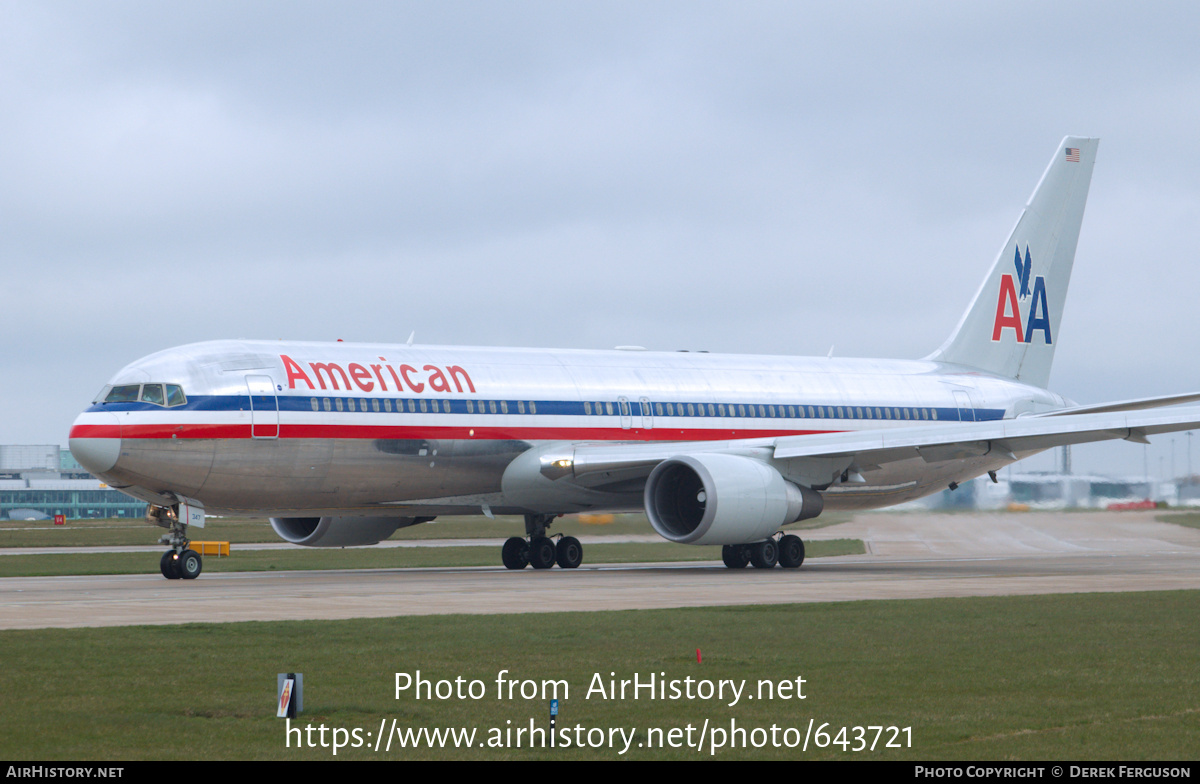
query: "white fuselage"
354, 428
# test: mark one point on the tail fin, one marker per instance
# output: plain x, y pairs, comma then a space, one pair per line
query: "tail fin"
1011, 327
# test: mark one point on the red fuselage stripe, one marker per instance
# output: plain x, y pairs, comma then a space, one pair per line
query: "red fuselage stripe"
414, 432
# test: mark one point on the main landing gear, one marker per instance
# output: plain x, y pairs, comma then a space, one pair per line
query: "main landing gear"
539, 550
788, 552
180, 562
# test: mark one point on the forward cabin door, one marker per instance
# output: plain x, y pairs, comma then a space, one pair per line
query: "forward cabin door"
264, 407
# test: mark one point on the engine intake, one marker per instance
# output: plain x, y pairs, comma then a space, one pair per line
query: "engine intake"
723, 499
339, 531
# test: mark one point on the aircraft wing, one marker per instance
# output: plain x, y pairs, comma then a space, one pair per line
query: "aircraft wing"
1006, 439
1136, 404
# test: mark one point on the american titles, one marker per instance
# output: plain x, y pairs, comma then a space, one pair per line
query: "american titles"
330, 375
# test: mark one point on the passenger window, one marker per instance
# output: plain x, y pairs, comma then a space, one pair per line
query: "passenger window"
670, 409
520, 406
934, 413
337, 402
532, 407
810, 412
492, 406
470, 407
387, 404
328, 405
587, 408
315, 405
175, 396
924, 413
412, 406
658, 409
741, 409
791, 412
375, 404
609, 408
503, 406
858, 411
712, 410
770, 410
424, 406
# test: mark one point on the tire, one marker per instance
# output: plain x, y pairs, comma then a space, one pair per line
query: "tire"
190, 564
541, 553
169, 566
735, 556
764, 555
515, 553
568, 552
791, 552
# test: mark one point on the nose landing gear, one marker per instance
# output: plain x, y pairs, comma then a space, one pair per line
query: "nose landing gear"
180, 562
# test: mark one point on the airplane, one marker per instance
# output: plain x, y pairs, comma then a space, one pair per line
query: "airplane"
341, 444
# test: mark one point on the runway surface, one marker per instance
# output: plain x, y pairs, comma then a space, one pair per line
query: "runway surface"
911, 555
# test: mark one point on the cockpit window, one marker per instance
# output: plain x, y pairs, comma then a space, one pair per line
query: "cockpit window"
153, 393
147, 393
127, 393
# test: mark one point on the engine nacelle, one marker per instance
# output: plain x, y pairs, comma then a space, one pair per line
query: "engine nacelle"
339, 531
723, 499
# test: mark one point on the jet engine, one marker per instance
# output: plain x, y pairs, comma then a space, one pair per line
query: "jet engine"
723, 499
339, 531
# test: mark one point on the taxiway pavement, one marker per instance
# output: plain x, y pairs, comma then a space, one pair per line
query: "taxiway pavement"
910, 555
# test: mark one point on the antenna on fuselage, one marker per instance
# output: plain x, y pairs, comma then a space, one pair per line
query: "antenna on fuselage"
830, 354
411, 335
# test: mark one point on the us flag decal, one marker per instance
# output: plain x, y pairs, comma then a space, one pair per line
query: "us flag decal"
1073, 154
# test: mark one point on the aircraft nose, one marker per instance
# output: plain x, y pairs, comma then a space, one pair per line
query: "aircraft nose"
96, 441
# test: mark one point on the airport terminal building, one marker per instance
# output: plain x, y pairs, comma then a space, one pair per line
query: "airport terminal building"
40, 481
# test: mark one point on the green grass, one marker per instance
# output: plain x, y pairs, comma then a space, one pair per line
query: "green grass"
1061, 677
1189, 519
109, 533
371, 558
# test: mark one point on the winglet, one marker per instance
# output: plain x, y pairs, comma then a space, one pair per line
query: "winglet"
1011, 327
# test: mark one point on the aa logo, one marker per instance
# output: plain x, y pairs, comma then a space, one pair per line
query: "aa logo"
1008, 304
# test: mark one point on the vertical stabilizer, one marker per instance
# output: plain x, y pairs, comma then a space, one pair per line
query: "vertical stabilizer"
1011, 327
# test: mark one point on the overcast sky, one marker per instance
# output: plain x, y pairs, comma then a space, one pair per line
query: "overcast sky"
737, 177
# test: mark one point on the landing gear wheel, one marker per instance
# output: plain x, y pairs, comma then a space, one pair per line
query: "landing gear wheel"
764, 555
169, 566
190, 564
569, 552
515, 553
735, 556
541, 553
791, 552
